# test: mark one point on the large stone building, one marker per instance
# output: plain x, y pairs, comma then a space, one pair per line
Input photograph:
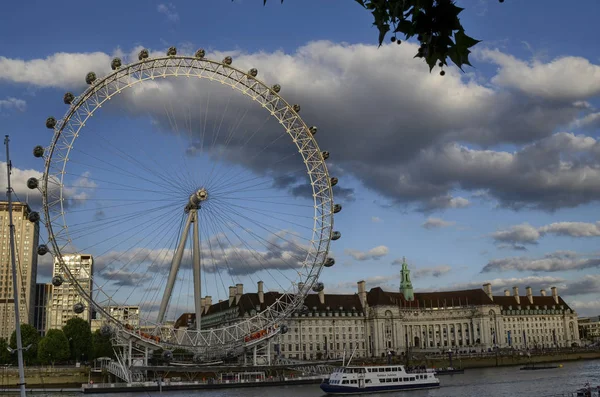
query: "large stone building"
589, 329
376, 322
26, 243
66, 296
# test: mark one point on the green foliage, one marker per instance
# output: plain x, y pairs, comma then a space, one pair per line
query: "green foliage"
53, 347
4, 353
435, 24
79, 335
29, 337
102, 345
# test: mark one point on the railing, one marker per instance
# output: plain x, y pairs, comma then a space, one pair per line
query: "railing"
119, 371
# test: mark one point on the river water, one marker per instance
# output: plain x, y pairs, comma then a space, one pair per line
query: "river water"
488, 382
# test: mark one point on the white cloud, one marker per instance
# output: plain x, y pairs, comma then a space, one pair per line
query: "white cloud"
527, 234
586, 308
553, 262
436, 223
374, 253
411, 155
376, 219
168, 9
11, 103
434, 271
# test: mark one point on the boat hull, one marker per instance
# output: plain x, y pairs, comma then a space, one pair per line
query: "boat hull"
340, 389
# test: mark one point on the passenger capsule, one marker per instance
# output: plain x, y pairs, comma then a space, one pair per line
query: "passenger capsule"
57, 280
336, 235
42, 249
304, 309
38, 151
167, 355
296, 108
334, 181
276, 88
284, 329
90, 77
172, 51
197, 358
106, 330
33, 217
253, 72
200, 53
325, 155
115, 64
313, 130
68, 98
78, 308
227, 60
329, 262
318, 287
143, 54
50, 123
32, 183
337, 208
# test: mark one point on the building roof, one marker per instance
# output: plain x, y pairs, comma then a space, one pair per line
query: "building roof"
379, 297
509, 301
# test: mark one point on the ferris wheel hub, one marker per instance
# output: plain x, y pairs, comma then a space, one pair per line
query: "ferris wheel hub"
195, 199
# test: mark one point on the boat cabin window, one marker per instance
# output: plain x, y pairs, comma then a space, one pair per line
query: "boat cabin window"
367, 380
344, 382
405, 379
395, 380
412, 378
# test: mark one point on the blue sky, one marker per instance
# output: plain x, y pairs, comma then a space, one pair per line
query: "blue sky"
490, 175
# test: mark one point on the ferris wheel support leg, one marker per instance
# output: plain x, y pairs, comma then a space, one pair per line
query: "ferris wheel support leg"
174, 269
197, 274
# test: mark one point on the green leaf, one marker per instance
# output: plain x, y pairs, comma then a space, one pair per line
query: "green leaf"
464, 41
382, 32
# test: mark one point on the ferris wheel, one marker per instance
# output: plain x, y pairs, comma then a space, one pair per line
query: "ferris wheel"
189, 182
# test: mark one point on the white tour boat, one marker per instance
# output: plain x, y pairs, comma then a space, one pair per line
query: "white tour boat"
376, 379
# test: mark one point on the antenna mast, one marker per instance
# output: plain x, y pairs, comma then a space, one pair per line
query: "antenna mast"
14, 274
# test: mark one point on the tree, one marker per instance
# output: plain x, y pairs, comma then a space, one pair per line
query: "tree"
434, 23
29, 337
103, 346
53, 347
4, 353
79, 335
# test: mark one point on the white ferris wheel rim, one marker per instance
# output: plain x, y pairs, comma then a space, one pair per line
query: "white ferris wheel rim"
84, 106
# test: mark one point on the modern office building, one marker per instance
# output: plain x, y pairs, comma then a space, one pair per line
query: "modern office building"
124, 314
66, 297
26, 243
43, 296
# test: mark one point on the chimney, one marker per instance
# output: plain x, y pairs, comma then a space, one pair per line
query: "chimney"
207, 303
322, 296
543, 292
231, 295
362, 294
239, 291
506, 292
529, 295
202, 304
516, 294
261, 293
487, 287
554, 294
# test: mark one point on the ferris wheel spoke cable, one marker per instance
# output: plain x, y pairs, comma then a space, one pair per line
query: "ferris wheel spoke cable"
249, 248
88, 228
122, 186
260, 239
121, 171
216, 270
186, 167
158, 234
218, 228
251, 188
268, 228
119, 234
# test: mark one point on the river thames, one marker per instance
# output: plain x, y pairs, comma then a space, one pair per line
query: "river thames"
488, 382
